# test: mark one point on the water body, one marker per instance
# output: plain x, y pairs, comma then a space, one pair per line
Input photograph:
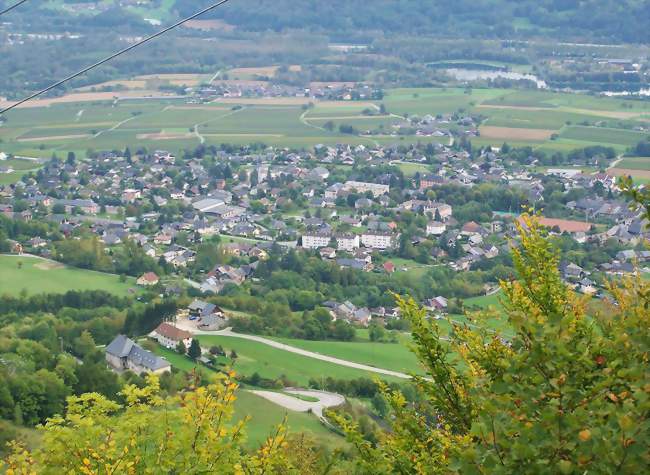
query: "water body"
479, 74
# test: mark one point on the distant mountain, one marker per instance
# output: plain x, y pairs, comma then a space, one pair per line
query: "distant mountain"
585, 20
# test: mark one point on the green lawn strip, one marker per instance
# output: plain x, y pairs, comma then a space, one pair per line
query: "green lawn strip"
269, 362
391, 356
40, 276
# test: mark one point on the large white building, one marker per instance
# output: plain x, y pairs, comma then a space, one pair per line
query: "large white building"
347, 242
377, 240
362, 187
315, 240
436, 228
169, 336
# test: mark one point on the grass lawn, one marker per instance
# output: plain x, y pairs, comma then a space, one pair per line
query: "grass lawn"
410, 169
393, 356
271, 362
40, 276
264, 415
485, 301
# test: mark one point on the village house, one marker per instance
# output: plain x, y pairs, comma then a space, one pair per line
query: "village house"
170, 336
124, 354
148, 279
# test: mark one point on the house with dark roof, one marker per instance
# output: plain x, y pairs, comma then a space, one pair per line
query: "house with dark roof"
124, 354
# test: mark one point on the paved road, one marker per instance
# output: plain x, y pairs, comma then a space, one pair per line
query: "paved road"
325, 400
185, 325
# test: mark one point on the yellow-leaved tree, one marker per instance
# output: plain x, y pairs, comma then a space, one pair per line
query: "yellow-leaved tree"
189, 434
568, 391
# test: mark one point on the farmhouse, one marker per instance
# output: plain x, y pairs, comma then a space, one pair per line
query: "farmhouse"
169, 336
148, 279
124, 354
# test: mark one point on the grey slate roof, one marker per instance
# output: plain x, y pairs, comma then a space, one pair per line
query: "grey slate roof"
124, 347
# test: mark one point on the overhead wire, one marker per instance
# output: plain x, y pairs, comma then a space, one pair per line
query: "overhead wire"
114, 55
15, 5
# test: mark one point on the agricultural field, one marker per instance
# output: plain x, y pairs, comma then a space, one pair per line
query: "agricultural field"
34, 276
536, 118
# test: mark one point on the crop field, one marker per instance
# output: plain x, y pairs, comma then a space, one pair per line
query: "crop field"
635, 163
602, 135
33, 275
520, 118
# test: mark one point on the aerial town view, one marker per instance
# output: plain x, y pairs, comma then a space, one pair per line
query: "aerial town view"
345, 237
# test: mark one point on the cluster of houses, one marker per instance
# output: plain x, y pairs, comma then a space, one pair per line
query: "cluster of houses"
308, 200
260, 88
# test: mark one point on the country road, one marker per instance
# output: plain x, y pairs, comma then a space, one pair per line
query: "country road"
184, 325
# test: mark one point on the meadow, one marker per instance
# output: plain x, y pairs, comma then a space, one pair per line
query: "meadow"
392, 356
265, 416
36, 276
273, 363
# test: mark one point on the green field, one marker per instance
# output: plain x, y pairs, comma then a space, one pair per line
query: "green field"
392, 356
271, 362
635, 163
264, 415
170, 124
40, 276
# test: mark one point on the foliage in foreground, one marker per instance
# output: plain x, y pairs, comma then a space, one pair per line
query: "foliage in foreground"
569, 393
188, 434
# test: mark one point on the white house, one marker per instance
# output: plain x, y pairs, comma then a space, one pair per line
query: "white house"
347, 242
362, 187
169, 336
315, 240
436, 228
377, 239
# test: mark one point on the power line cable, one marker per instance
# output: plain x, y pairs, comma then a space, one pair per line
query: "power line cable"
8, 9
114, 55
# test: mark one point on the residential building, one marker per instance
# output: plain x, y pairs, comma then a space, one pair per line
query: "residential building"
362, 187
124, 354
377, 240
170, 336
315, 240
347, 242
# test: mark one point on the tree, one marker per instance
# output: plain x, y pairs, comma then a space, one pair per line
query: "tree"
194, 351
98, 435
180, 348
567, 393
376, 332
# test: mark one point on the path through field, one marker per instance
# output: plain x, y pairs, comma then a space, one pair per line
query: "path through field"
325, 400
185, 325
